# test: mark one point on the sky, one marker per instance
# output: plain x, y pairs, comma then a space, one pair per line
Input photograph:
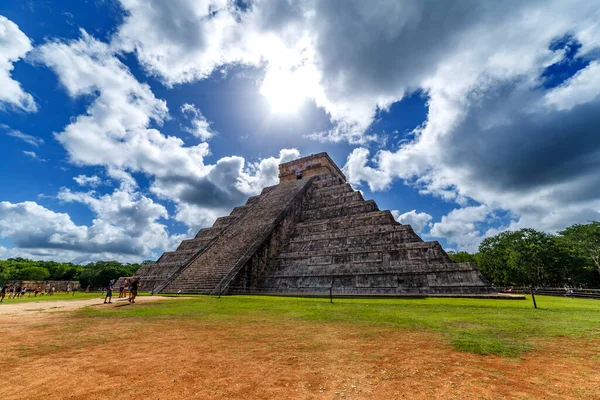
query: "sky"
128, 125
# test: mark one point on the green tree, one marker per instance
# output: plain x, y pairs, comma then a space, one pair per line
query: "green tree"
524, 257
582, 244
463, 256
33, 274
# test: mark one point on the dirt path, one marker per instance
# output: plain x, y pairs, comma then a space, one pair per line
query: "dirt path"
64, 355
20, 310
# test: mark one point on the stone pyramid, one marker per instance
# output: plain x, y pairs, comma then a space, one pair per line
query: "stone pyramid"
310, 233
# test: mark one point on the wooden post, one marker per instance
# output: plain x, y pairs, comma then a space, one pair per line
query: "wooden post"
533, 297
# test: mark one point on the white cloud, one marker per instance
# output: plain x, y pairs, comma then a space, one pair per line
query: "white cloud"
460, 226
29, 139
33, 155
14, 44
200, 125
357, 171
115, 133
582, 88
126, 227
418, 221
84, 180
354, 58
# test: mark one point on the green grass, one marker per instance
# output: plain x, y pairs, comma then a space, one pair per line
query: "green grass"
502, 327
56, 296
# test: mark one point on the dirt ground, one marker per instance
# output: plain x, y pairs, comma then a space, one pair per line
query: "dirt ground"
47, 352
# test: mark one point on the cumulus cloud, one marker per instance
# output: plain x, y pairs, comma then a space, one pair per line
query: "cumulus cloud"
84, 180
14, 45
115, 133
200, 126
418, 221
459, 227
355, 58
126, 226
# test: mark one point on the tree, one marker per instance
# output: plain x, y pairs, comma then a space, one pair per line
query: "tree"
463, 256
33, 274
582, 242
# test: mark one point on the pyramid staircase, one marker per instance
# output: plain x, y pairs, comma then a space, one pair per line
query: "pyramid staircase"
308, 235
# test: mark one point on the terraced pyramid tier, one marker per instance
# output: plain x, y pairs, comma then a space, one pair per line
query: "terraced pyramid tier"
307, 235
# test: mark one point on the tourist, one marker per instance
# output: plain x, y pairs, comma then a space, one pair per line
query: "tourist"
126, 288
3, 292
23, 291
109, 290
121, 288
68, 289
17, 292
11, 290
52, 290
37, 291
134, 289
87, 289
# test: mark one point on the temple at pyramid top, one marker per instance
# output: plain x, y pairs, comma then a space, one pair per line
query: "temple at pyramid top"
308, 235
305, 167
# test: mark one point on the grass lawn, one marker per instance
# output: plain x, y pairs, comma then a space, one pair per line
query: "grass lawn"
57, 296
501, 327
260, 347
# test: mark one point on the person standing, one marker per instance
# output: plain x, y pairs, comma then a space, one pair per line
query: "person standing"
134, 286
68, 289
87, 289
121, 288
37, 291
52, 290
109, 290
3, 292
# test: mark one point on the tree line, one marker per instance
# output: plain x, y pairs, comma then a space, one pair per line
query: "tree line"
529, 257
96, 274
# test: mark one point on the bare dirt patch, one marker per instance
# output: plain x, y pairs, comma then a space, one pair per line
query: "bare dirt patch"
60, 355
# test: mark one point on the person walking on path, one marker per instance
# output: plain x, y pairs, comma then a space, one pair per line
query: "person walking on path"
3, 292
134, 286
109, 290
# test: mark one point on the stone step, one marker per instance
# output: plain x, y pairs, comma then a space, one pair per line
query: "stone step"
300, 244
397, 268
346, 222
331, 190
340, 210
302, 235
409, 252
209, 233
327, 182
217, 260
239, 210
223, 222
193, 245
252, 200
342, 198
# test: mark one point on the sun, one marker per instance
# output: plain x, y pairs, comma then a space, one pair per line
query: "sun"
286, 91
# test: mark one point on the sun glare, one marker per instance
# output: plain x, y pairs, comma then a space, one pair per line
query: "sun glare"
285, 90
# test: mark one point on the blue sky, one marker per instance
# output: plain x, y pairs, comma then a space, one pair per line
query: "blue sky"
126, 125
